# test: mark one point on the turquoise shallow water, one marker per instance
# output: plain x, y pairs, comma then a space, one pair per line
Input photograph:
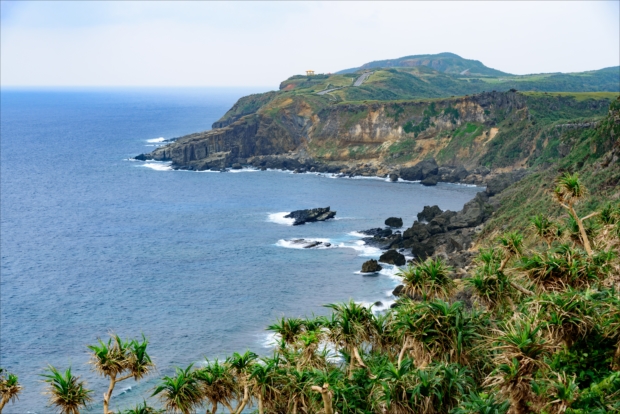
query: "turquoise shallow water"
92, 242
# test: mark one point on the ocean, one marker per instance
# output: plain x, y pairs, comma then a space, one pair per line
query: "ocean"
199, 262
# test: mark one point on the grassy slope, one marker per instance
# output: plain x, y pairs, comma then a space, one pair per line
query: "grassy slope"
422, 82
587, 157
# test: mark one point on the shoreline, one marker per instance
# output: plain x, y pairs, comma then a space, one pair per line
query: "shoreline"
167, 166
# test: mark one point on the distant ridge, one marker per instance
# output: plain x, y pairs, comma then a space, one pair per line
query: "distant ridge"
442, 62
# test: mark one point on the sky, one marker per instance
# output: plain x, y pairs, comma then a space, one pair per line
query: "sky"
110, 43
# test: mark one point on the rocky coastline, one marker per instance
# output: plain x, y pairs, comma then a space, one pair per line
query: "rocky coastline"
426, 172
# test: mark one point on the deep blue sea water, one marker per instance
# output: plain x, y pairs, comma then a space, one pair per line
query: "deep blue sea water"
91, 242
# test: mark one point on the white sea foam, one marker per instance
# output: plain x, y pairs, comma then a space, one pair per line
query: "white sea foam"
280, 219
157, 166
269, 340
390, 271
302, 243
125, 390
245, 169
357, 234
360, 246
385, 305
160, 139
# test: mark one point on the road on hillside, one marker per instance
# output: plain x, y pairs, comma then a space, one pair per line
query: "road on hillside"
362, 78
328, 91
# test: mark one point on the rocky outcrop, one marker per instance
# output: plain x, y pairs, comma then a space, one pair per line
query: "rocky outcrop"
500, 182
431, 180
420, 171
394, 222
371, 266
310, 215
393, 257
436, 232
429, 213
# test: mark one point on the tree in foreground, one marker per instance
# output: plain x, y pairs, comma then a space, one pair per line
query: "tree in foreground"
9, 388
66, 392
119, 360
181, 393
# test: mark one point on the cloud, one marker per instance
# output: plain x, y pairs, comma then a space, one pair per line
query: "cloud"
262, 43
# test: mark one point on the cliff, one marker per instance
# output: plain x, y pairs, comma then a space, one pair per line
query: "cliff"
391, 115
495, 130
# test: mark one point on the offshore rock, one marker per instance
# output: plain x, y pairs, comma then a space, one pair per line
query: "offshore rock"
310, 215
393, 257
371, 266
394, 222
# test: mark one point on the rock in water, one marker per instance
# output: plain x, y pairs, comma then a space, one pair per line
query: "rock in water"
393, 177
394, 222
393, 257
371, 266
430, 180
420, 171
398, 290
311, 215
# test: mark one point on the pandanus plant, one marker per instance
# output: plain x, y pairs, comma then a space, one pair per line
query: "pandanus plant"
350, 327
241, 368
9, 388
119, 360
288, 329
217, 384
66, 391
568, 192
143, 408
520, 349
180, 393
490, 285
264, 384
437, 331
429, 279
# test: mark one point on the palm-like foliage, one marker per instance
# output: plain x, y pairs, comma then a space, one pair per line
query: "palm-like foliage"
181, 393
429, 279
564, 266
482, 403
490, 284
520, 351
439, 386
437, 330
288, 329
9, 388
568, 192
567, 315
143, 408
241, 368
66, 392
119, 360
512, 244
350, 326
217, 384
264, 383
393, 393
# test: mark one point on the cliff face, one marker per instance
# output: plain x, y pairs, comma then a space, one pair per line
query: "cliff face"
499, 130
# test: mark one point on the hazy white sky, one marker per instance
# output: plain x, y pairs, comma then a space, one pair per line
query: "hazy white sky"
262, 43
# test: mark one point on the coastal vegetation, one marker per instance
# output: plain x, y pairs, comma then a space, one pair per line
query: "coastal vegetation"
534, 327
